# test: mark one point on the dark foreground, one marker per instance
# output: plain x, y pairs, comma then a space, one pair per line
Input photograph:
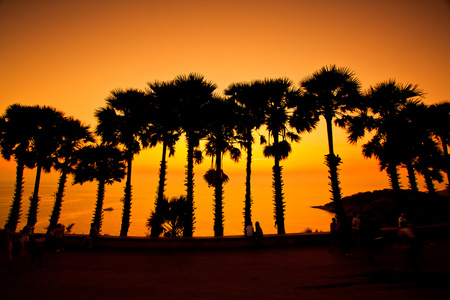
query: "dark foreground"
293, 272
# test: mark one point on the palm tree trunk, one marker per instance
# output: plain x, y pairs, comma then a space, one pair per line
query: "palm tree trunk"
446, 160
34, 200
58, 200
278, 189
330, 135
415, 191
429, 182
98, 213
333, 162
393, 176
14, 213
156, 226
248, 197
127, 200
412, 178
218, 196
189, 221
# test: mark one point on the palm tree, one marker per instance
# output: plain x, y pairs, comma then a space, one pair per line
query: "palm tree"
165, 129
251, 104
104, 164
172, 213
123, 122
193, 92
220, 125
75, 135
385, 101
429, 163
15, 141
337, 93
279, 94
46, 138
439, 121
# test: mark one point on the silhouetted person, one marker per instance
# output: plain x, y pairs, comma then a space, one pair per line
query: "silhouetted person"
249, 230
59, 233
91, 238
371, 237
13, 243
356, 229
346, 235
402, 221
411, 242
334, 234
258, 233
33, 244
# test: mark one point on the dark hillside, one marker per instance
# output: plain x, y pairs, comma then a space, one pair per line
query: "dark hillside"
386, 206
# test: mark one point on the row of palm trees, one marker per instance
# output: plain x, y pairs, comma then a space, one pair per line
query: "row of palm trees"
401, 131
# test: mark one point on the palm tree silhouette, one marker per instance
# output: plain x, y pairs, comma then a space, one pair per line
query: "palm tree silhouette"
75, 135
279, 94
220, 124
415, 135
193, 92
16, 127
123, 122
439, 121
336, 92
165, 129
384, 102
46, 138
171, 217
103, 163
251, 104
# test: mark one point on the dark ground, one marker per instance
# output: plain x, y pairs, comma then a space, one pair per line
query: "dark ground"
237, 273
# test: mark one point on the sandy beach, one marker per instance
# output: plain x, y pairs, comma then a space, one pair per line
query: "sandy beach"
290, 272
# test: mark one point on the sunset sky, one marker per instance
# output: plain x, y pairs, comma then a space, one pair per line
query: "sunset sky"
71, 54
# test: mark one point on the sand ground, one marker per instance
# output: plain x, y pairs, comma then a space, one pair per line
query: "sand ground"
236, 273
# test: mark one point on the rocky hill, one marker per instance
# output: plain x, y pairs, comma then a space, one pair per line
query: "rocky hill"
386, 206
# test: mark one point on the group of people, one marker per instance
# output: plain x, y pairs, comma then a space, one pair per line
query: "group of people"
25, 241
18, 243
355, 231
255, 233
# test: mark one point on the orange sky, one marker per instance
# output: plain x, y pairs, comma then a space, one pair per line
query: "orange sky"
71, 54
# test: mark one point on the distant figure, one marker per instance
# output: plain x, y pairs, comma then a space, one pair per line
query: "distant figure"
411, 243
334, 230
13, 243
346, 235
372, 239
34, 244
356, 228
402, 221
258, 231
91, 238
249, 230
59, 236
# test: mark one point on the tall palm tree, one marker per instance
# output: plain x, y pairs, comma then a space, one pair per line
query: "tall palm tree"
104, 164
75, 135
220, 116
193, 92
337, 93
46, 138
15, 141
439, 119
251, 104
123, 122
279, 94
165, 129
